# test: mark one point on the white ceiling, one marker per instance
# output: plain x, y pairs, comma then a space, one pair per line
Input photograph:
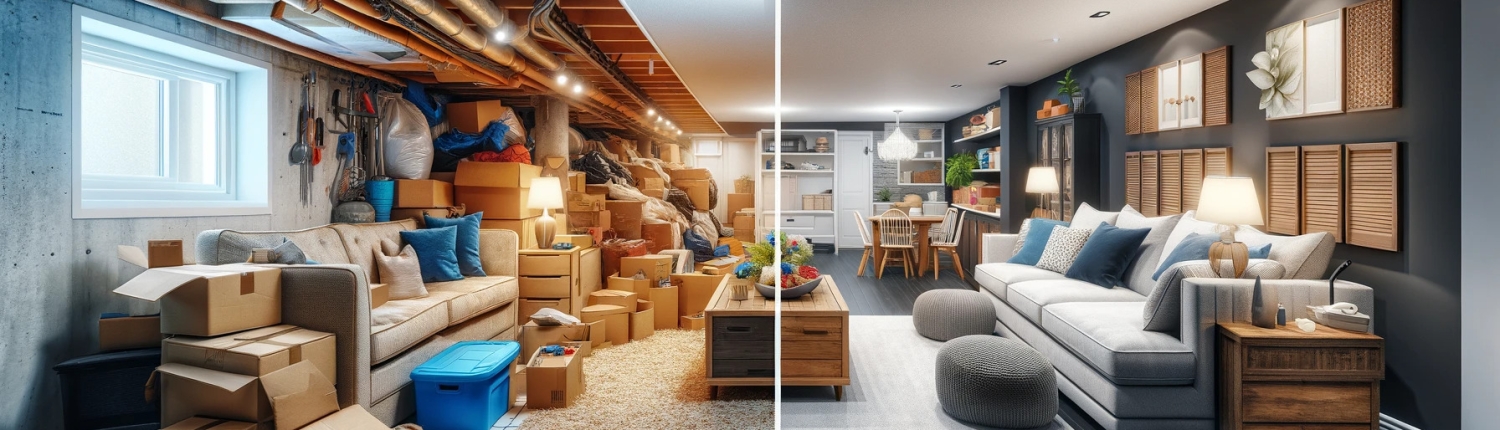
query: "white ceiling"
856, 60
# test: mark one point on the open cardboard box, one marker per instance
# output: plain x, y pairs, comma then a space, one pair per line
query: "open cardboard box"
158, 253
616, 322
205, 423
553, 381
622, 298
134, 332
641, 287
642, 321
255, 352
199, 300
535, 336
657, 267
664, 304
695, 289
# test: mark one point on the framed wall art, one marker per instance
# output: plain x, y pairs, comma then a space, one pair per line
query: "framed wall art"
1279, 72
1190, 93
1168, 97
1324, 63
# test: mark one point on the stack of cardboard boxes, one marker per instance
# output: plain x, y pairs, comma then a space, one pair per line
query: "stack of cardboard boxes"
229, 357
587, 212
418, 197
637, 301
741, 210
501, 191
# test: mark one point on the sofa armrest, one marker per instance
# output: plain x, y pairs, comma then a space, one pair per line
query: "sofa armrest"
997, 247
497, 252
334, 298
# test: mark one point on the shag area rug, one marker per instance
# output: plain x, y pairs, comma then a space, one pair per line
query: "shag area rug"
656, 383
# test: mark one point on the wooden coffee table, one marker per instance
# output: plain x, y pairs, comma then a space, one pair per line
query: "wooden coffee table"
814, 339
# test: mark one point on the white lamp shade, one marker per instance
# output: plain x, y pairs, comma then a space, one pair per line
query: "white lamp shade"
546, 193
1042, 180
897, 147
1229, 200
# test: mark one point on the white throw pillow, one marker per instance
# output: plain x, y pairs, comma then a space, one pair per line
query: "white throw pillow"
1086, 217
1062, 248
402, 274
1021, 236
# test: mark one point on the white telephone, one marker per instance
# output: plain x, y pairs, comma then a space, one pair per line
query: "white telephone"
1345, 308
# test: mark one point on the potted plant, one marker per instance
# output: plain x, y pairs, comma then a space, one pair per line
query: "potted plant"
959, 174
884, 194
1069, 88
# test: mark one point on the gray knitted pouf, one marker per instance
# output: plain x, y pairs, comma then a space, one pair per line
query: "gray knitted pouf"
997, 382
947, 314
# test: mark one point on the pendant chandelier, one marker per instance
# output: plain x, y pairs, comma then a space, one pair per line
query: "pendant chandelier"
897, 146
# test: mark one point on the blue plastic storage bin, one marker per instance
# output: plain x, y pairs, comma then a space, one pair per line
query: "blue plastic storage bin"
465, 387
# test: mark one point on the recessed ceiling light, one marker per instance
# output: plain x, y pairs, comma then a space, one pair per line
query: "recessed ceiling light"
955, 85
1054, 39
997, 62
1100, 14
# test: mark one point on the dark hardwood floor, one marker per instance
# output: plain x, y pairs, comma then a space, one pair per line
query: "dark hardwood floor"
890, 295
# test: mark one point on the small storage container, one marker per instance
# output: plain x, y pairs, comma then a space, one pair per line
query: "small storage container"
108, 390
465, 387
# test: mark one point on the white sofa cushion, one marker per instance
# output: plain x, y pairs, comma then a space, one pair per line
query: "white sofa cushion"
1031, 296
1088, 218
995, 277
1110, 337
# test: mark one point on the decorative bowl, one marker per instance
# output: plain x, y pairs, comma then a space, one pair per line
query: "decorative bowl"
769, 291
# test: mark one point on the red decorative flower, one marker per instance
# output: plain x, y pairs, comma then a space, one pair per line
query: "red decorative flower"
807, 272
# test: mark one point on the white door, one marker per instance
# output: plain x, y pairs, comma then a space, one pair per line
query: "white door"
853, 171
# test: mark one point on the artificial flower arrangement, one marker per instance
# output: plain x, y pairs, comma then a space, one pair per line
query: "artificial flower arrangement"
794, 270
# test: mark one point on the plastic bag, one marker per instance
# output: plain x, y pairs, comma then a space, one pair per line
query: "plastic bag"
408, 141
703, 250
515, 132
430, 107
462, 145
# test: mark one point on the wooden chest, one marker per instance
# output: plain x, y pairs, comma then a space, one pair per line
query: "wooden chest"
1283, 378
814, 340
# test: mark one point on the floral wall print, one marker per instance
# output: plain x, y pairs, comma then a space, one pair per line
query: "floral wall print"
1278, 72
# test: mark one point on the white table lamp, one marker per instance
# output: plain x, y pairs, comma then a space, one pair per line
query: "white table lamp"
546, 193
1229, 201
1042, 180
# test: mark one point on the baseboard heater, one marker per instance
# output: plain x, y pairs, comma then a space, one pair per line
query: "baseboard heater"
1389, 423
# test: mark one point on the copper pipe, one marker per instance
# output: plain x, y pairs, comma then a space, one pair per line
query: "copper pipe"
450, 24
492, 20
268, 39
396, 34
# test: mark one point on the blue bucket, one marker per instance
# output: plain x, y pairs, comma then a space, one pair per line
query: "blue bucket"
381, 195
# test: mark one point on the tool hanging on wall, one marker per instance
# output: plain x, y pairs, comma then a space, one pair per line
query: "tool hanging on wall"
302, 153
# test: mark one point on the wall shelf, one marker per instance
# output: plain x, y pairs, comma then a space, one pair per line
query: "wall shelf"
802, 154
987, 133
920, 184
985, 171
811, 172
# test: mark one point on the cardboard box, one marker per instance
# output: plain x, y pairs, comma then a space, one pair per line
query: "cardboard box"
122, 333
659, 236
642, 321
657, 267
529, 306
655, 182
472, 117
553, 381
379, 295
299, 395
698, 191
718, 266
669, 153
584, 202
744, 228
664, 303
255, 352
585, 221
546, 286
202, 300
597, 189
188, 391
641, 287
622, 298
577, 181
497, 203
590, 270
578, 240
534, 336
817, 202
419, 214
205, 423
525, 228
352, 417
737, 201
423, 193
736, 247
694, 291
500, 190
158, 253
689, 173
626, 217
616, 321
641, 174
694, 322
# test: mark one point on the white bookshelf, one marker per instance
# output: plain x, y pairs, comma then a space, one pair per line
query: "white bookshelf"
930, 152
818, 225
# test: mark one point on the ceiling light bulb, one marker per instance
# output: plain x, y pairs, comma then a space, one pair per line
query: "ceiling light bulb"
997, 62
578, 88
502, 36
562, 78
1054, 39
658, 119
679, 132
650, 113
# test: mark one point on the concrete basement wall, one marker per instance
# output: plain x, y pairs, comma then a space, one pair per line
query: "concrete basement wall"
56, 273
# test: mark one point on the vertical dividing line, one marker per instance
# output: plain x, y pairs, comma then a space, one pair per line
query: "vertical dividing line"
776, 228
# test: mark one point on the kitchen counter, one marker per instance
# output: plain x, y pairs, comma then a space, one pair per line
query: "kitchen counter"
973, 210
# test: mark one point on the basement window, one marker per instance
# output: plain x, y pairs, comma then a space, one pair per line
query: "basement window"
164, 126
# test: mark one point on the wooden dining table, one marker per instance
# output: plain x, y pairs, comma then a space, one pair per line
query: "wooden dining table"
922, 224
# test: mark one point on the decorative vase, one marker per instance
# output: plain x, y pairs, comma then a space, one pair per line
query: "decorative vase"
1078, 102
1261, 315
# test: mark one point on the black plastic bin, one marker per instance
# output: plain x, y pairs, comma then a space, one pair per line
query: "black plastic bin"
108, 390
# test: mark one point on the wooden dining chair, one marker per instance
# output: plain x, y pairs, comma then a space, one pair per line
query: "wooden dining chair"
947, 241
864, 233
897, 236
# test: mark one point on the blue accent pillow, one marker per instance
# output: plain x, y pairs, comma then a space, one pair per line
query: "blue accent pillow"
1107, 254
435, 253
1195, 247
1036, 241
468, 241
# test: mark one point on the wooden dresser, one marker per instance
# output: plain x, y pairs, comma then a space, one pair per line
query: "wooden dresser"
556, 279
1283, 378
814, 339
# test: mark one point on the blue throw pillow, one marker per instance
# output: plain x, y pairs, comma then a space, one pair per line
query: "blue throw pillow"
1107, 254
468, 241
1195, 247
434, 248
1035, 241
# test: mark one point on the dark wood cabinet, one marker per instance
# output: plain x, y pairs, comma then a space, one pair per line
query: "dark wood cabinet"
971, 244
1071, 143
1283, 378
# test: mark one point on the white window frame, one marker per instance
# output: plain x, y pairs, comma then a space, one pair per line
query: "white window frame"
242, 182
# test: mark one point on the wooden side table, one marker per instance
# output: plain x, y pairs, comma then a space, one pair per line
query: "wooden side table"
1283, 378
814, 340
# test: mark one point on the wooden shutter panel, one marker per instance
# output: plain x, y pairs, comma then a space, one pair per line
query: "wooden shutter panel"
1322, 190
1216, 87
1133, 103
1169, 200
1282, 185
1148, 101
1133, 179
1371, 213
1150, 183
1218, 162
1192, 178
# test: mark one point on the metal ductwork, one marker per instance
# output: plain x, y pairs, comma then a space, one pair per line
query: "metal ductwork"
436, 57
449, 24
326, 33
493, 21
555, 27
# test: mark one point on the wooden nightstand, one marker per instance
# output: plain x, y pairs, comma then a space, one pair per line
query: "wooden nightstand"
556, 279
1283, 378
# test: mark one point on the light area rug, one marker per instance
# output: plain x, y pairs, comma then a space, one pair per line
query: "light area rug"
656, 383
893, 384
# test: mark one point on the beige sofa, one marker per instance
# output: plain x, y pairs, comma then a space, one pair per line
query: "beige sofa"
378, 348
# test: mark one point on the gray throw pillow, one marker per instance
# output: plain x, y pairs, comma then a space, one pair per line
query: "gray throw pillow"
1021, 236
288, 253
1062, 248
402, 274
1163, 311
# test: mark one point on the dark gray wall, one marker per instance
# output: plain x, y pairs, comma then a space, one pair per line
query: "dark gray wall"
1481, 201
57, 272
1417, 290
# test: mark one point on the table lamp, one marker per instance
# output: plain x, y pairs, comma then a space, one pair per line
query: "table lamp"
1230, 202
1042, 180
546, 193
